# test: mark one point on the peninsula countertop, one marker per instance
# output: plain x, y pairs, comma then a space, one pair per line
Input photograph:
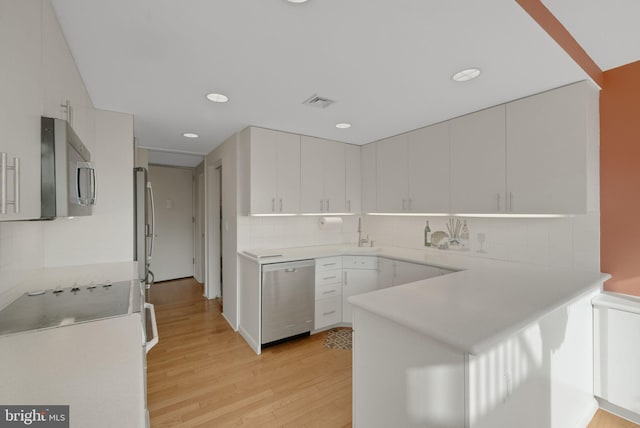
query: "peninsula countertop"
479, 305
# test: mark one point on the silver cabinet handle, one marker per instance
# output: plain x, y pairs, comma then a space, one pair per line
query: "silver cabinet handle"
349, 205
3, 186
498, 201
273, 205
328, 313
328, 205
16, 184
329, 292
329, 277
345, 278
510, 201
280, 204
321, 205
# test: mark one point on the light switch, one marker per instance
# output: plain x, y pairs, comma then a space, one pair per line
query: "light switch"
169, 204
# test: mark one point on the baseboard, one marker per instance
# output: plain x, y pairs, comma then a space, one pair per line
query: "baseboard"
250, 340
589, 414
229, 322
619, 411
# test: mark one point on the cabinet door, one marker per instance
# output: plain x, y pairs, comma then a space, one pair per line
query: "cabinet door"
334, 177
385, 273
62, 80
406, 272
356, 281
547, 137
312, 154
263, 170
429, 169
288, 173
478, 162
369, 168
392, 174
21, 103
353, 179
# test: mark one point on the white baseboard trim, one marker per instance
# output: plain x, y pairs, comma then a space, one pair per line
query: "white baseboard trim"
618, 411
589, 413
250, 340
229, 322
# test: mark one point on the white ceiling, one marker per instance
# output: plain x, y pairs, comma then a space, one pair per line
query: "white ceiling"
607, 29
387, 63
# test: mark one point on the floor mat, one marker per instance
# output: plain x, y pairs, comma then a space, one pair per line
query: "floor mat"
339, 338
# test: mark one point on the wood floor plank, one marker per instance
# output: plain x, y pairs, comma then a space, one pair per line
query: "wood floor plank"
203, 374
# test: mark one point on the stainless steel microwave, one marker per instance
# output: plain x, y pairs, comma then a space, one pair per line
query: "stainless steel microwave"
68, 175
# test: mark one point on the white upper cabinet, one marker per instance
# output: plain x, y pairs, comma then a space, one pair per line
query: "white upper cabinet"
369, 178
20, 106
392, 175
64, 95
274, 170
353, 179
288, 179
413, 171
322, 176
478, 162
552, 147
428, 150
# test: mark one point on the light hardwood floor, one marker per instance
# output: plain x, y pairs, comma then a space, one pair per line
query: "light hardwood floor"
203, 374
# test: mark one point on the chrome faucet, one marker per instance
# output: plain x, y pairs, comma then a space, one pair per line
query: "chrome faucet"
361, 240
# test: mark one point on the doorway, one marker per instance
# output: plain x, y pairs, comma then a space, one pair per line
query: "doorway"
198, 226
214, 232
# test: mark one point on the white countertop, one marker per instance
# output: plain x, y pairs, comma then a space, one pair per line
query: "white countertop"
470, 310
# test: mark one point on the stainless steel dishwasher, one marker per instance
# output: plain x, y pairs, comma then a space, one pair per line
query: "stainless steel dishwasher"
288, 291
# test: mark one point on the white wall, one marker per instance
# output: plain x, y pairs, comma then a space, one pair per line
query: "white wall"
571, 242
107, 235
298, 231
227, 156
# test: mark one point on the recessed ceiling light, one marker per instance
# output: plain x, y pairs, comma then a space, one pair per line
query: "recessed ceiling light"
343, 125
217, 98
466, 75
190, 135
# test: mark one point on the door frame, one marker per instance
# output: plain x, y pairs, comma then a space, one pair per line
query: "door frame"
213, 249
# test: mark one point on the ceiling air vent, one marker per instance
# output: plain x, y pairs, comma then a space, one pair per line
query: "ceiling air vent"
318, 102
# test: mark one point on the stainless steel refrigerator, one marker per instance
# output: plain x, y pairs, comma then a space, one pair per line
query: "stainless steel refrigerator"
144, 225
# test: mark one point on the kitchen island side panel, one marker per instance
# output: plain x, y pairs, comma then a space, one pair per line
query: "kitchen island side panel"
249, 282
404, 379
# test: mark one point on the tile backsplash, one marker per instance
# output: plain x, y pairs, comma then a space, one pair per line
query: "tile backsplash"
294, 231
568, 242
21, 252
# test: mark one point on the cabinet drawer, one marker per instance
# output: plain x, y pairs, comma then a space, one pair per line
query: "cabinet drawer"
328, 312
329, 277
360, 262
328, 290
328, 263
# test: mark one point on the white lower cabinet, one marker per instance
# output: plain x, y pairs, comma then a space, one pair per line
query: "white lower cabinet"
395, 272
328, 312
338, 278
356, 281
328, 301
